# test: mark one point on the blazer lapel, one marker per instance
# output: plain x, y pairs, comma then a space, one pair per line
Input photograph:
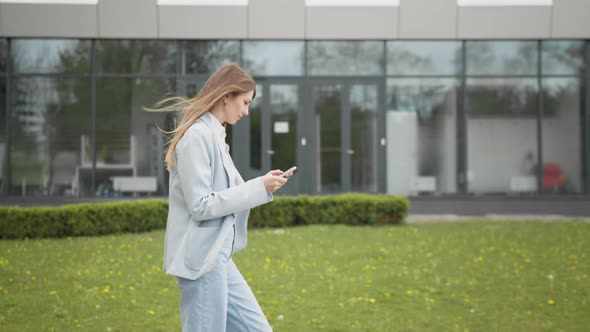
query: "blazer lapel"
224, 159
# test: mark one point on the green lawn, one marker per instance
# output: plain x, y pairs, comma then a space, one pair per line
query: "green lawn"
483, 276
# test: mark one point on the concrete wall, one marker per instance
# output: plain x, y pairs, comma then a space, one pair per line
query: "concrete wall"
292, 19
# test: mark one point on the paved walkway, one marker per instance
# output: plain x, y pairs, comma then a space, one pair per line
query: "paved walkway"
435, 218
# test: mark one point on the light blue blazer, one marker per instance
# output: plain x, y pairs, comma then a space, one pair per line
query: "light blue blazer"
205, 204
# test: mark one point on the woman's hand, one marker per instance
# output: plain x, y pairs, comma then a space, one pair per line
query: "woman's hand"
273, 180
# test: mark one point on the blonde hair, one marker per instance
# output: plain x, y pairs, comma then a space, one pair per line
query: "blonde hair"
229, 79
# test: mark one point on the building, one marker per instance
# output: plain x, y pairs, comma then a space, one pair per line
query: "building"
413, 97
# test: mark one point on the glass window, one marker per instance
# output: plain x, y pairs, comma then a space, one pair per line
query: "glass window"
284, 105
501, 57
345, 58
50, 56
363, 137
136, 56
3, 58
269, 58
327, 106
2, 133
421, 128
562, 57
255, 119
128, 140
204, 57
50, 128
562, 136
501, 134
424, 58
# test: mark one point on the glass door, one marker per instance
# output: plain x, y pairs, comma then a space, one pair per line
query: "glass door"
268, 137
346, 136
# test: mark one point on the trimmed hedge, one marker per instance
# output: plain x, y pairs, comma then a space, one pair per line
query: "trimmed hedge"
351, 209
144, 215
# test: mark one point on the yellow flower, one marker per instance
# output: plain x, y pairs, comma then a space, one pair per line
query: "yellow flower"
372, 300
53, 292
409, 292
360, 299
151, 312
552, 302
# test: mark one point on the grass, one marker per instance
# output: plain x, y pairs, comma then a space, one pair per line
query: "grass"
522, 276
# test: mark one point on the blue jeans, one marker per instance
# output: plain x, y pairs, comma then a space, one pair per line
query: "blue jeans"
221, 299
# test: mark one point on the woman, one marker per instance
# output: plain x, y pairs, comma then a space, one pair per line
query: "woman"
209, 204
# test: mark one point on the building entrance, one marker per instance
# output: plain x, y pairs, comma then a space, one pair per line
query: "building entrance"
345, 136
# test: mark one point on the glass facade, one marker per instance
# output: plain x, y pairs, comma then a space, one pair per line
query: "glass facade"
50, 56
3, 57
49, 118
401, 117
3, 138
424, 58
204, 57
501, 131
136, 56
345, 58
269, 58
422, 134
499, 58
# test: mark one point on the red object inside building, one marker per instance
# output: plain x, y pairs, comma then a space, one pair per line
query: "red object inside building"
553, 177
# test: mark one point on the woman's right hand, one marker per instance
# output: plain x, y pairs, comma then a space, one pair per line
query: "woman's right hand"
273, 180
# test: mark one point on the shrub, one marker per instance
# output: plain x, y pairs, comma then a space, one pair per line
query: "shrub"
144, 215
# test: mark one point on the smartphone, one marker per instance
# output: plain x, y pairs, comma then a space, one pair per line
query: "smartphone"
288, 173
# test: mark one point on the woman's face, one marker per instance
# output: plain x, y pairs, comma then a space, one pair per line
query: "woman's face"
237, 107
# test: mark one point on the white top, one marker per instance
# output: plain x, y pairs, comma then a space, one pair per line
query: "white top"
219, 131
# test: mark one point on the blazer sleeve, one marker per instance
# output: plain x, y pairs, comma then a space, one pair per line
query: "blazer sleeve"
194, 167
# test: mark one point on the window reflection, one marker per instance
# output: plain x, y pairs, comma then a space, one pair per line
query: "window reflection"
363, 138
2, 134
342, 58
48, 120
423, 58
204, 57
136, 56
3, 56
422, 135
283, 105
562, 136
501, 96
562, 57
501, 57
255, 118
50, 55
501, 134
129, 142
270, 58
327, 106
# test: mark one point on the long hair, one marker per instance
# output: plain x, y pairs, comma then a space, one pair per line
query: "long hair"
229, 79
